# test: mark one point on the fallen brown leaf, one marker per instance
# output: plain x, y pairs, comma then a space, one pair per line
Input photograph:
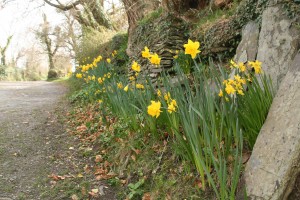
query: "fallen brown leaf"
98, 158
146, 196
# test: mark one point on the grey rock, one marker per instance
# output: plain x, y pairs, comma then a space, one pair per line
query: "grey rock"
247, 48
274, 164
278, 43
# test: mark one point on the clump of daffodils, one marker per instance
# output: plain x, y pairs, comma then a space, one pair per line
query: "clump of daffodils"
171, 105
243, 74
153, 58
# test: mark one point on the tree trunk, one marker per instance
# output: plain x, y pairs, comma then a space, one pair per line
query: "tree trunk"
45, 37
3, 50
137, 10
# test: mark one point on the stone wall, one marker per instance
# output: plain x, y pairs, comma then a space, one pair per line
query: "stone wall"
163, 36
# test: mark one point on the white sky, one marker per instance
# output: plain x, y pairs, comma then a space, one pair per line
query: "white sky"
20, 17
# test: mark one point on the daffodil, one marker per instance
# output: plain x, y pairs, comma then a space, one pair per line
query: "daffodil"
158, 93
78, 75
146, 53
257, 66
172, 106
167, 96
233, 64
135, 66
139, 86
154, 109
241, 67
131, 78
155, 59
229, 89
126, 88
174, 102
108, 60
120, 85
221, 93
240, 92
192, 48
100, 80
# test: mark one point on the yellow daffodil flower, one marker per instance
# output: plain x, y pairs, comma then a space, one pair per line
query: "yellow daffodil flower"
154, 109
78, 75
120, 85
167, 96
229, 89
139, 86
192, 48
257, 66
158, 93
135, 66
126, 88
171, 108
221, 93
155, 59
241, 67
146, 53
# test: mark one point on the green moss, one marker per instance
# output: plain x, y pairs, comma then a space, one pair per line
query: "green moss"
151, 16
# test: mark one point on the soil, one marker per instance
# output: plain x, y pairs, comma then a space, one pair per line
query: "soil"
35, 147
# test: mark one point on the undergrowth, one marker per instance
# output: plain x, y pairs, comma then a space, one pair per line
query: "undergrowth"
182, 140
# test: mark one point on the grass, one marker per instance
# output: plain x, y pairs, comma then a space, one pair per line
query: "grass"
58, 80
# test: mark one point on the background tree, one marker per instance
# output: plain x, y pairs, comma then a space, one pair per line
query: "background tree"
72, 33
52, 40
88, 13
35, 67
3, 50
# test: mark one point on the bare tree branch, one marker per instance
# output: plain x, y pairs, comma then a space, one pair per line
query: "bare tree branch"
63, 7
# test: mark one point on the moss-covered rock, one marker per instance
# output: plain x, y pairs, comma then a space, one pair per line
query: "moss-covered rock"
221, 38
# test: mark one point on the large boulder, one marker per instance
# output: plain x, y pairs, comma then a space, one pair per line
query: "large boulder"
278, 43
275, 161
247, 48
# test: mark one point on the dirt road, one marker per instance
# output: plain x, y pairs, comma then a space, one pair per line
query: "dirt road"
29, 133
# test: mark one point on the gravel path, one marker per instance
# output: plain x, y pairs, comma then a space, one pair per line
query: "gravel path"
30, 131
